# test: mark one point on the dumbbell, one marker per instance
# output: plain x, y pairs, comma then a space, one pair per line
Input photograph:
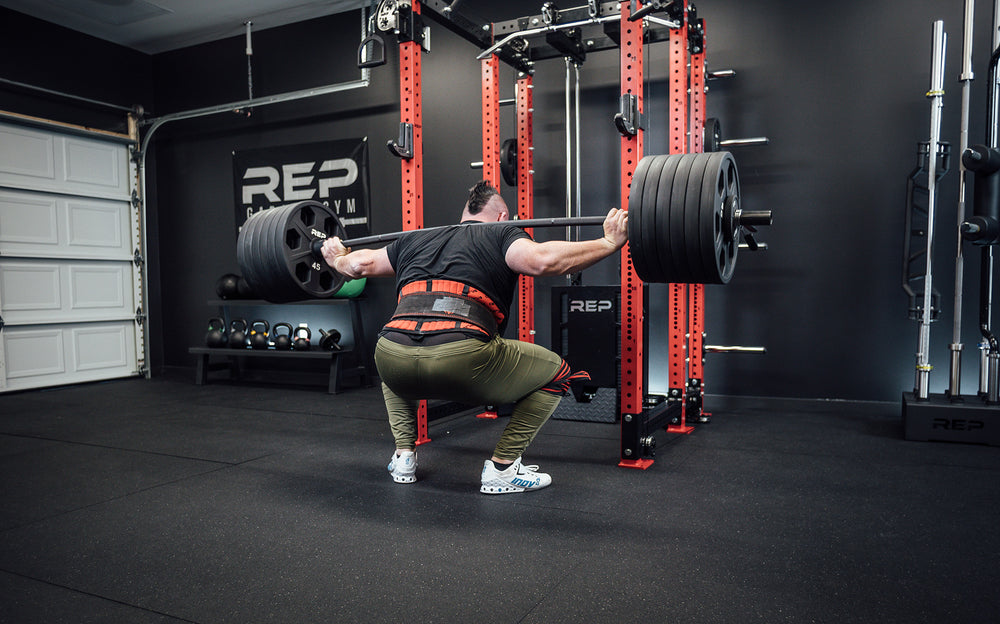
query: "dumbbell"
330, 340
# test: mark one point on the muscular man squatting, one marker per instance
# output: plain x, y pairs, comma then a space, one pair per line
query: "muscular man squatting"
456, 286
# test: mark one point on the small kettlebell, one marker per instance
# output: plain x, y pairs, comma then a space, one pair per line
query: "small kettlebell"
302, 338
282, 342
216, 336
238, 334
258, 338
330, 340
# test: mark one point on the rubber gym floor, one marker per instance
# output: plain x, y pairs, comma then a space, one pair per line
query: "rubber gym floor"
162, 501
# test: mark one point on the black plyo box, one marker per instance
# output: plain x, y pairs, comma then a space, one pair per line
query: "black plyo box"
585, 323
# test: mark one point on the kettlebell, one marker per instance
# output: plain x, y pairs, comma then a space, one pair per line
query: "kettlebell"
282, 342
302, 337
238, 334
258, 339
330, 340
216, 336
227, 286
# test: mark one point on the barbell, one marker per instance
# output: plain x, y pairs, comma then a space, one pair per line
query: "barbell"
685, 224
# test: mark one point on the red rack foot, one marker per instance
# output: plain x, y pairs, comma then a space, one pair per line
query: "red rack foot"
641, 464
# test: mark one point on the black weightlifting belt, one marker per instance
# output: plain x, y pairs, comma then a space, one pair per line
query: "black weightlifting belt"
429, 307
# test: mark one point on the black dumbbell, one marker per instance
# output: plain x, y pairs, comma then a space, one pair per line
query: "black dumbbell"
330, 340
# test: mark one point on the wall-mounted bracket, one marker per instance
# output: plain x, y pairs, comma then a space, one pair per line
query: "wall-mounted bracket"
402, 148
629, 120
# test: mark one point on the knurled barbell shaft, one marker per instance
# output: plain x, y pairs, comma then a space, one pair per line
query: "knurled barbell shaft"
523, 223
747, 217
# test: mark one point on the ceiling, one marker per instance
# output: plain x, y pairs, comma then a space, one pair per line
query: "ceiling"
154, 26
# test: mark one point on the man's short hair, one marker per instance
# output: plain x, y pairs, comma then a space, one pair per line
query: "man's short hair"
479, 196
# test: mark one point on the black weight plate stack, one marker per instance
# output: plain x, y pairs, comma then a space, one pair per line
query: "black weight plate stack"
274, 251
636, 213
650, 245
700, 273
661, 224
245, 250
720, 194
281, 287
313, 274
679, 242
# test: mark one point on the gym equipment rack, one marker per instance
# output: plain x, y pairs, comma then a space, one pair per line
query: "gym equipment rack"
627, 26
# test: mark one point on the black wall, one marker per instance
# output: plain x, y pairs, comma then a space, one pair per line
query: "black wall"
837, 87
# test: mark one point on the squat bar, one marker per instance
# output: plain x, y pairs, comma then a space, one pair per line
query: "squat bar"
746, 217
524, 223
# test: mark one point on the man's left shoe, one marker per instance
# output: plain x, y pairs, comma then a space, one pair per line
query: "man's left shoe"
516, 478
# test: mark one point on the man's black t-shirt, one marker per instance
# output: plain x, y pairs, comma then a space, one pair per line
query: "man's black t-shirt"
472, 255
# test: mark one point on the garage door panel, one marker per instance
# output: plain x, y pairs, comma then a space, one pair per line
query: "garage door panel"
90, 163
27, 153
99, 287
95, 224
34, 352
34, 292
29, 287
68, 165
101, 347
27, 220
35, 225
42, 356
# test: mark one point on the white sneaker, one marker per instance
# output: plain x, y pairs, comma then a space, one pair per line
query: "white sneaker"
516, 478
403, 466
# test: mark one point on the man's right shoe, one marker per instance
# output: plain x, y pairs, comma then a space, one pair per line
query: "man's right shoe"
403, 467
516, 478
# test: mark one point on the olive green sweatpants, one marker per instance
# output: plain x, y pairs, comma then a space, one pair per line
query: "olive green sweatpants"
471, 371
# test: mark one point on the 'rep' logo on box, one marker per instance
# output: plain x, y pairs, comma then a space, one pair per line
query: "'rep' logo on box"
589, 305
334, 173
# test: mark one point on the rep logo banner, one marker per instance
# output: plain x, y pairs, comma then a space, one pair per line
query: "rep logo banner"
334, 173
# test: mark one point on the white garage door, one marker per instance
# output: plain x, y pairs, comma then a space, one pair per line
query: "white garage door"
70, 288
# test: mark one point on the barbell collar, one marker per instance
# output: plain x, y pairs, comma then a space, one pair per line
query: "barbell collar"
754, 217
